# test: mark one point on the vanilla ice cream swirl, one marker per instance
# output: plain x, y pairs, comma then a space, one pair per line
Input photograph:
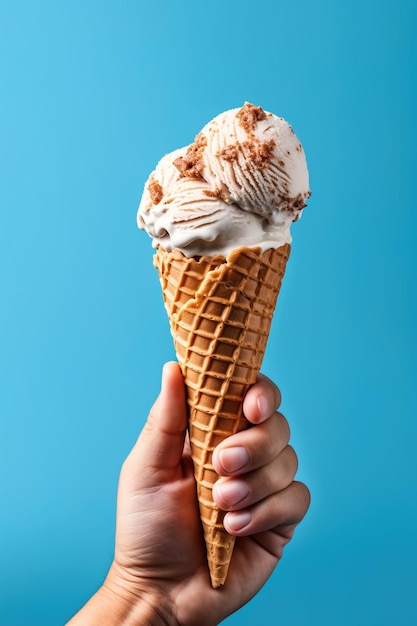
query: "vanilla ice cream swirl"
242, 182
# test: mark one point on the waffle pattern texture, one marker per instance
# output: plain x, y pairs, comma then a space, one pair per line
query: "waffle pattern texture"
220, 312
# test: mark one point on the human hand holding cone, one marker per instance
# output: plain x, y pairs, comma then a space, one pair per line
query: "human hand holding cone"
220, 297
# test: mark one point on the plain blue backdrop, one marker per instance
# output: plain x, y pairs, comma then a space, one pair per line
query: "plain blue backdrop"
91, 95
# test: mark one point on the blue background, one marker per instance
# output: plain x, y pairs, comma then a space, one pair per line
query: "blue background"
91, 95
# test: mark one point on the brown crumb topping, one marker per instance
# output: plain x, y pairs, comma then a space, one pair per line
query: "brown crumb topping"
230, 153
258, 152
249, 115
217, 193
155, 190
299, 203
191, 164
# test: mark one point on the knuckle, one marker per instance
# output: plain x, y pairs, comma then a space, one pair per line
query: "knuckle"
268, 448
283, 426
304, 496
292, 459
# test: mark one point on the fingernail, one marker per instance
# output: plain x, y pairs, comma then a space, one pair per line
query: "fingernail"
234, 459
239, 520
232, 492
263, 406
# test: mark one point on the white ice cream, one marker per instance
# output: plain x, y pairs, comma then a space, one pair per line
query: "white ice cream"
242, 182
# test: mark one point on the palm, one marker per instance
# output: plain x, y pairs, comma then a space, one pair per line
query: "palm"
158, 529
153, 548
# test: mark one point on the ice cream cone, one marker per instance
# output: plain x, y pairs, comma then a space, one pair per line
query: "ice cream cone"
220, 312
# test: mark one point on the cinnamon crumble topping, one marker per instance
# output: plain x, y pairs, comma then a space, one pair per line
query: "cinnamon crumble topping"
217, 193
254, 150
230, 153
155, 190
249, 115
258, 152
191, 164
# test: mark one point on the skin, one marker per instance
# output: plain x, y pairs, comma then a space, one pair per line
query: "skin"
159, 574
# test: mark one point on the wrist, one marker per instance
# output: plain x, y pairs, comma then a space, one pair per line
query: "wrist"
138, 604
118, 604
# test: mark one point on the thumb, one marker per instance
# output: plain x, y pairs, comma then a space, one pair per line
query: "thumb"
161, 443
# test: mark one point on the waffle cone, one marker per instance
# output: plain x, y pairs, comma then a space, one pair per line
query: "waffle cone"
220, 312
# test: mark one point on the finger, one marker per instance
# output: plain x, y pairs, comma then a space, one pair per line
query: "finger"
161, 442
253, 448
283, 509
261, 401
233, 494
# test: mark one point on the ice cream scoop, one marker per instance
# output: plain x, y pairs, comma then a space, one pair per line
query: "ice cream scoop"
243, 181
219, 212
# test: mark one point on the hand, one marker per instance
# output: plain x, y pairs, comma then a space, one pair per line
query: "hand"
159, 566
